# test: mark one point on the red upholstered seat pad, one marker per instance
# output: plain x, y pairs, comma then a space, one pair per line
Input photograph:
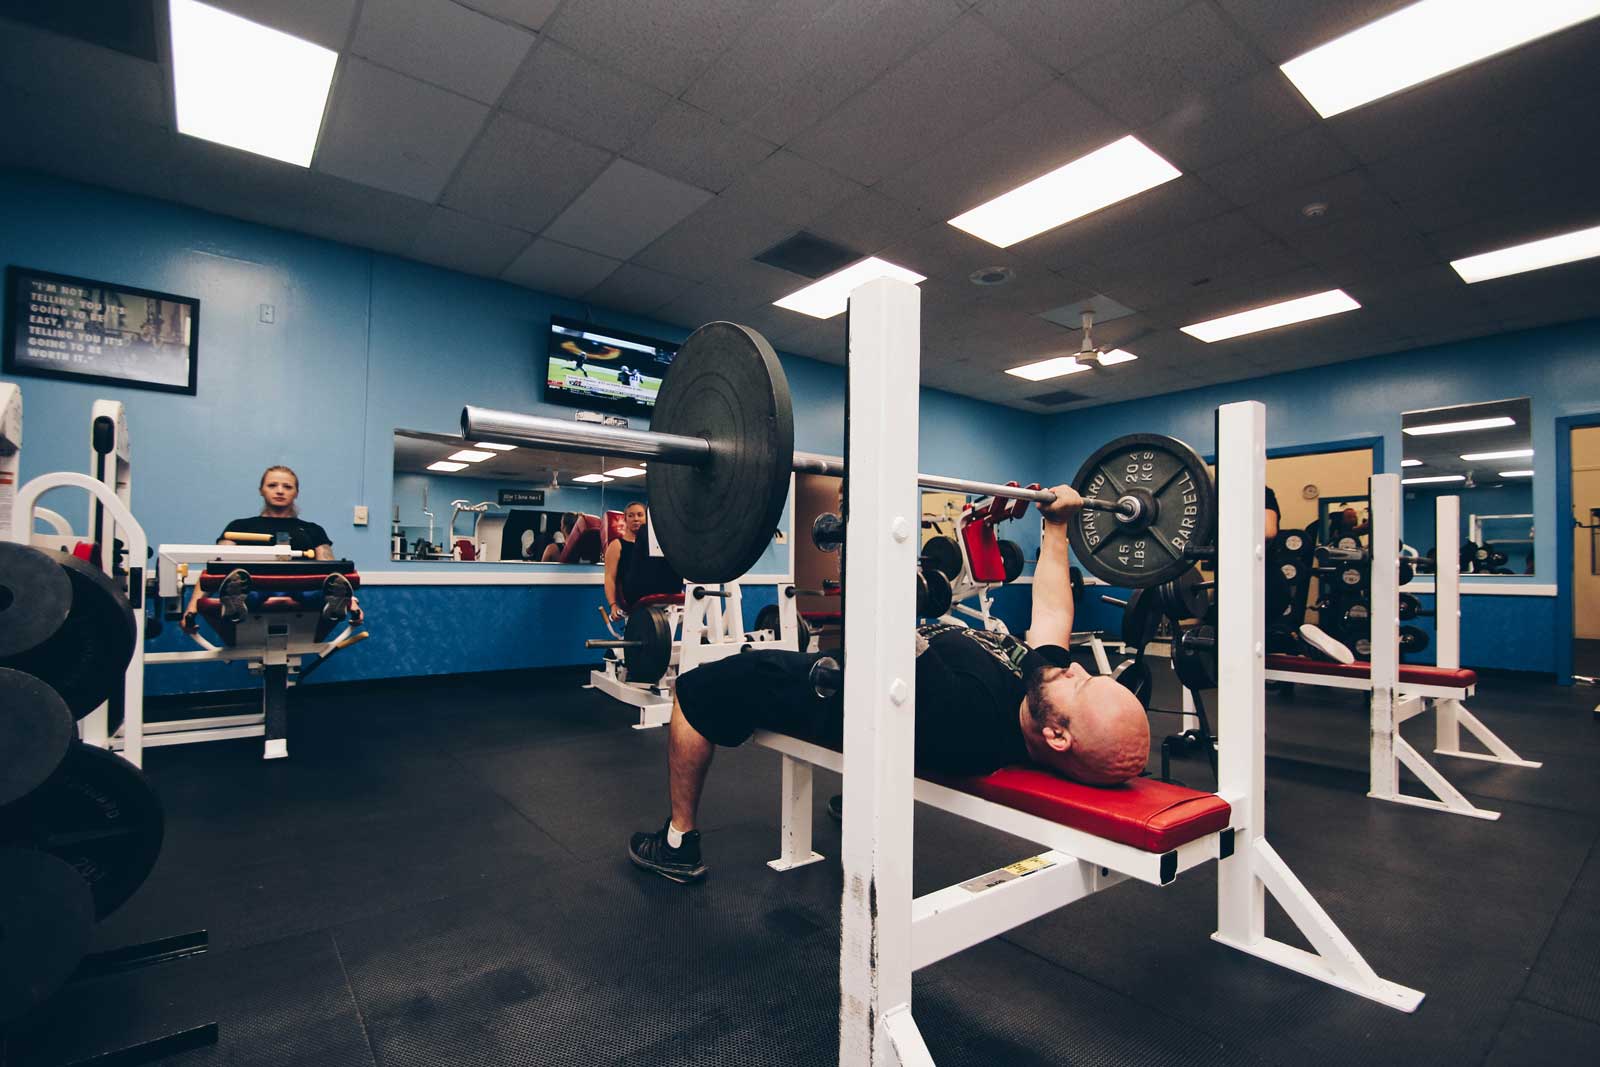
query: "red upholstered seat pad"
1142, 812
1457, 678
823, 618
983, 552
211, 606
658, 598
281, 582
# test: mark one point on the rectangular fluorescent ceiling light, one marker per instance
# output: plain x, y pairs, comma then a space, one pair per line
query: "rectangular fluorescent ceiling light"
827, 296
244, 85
1460, 427
1513, 453
446, 466
1420, 43
1434, 478
1048, 368
467, 455
1550, 252
591, 479
1103, 177
1284, 313
1411, 463
491, 445
625, 472
1516, 474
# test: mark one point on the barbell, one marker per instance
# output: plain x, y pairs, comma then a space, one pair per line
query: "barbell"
721, 452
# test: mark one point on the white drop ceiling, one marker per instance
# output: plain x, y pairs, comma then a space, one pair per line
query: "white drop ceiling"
638, 153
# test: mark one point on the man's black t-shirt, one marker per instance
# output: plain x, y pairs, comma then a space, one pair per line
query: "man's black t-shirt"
970, 685
1272, 503
302, 535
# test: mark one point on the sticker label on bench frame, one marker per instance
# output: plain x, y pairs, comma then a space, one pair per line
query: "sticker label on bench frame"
1009, 873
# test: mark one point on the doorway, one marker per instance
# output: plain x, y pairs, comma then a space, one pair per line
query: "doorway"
1586, 551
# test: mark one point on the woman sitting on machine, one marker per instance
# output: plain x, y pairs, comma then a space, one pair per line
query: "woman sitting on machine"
278, 522
631, 571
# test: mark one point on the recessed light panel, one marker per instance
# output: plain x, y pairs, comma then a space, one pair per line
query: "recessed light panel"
247, 86
1492, 423
1103, 177
1284, 313
1534, 255
1516, 474
1048, 368
625, 472
493, 446
1512, 453
1432, 478
467, 455
1115, 356
1421, 42
592, 479
827, 297
1411, 463
447, 467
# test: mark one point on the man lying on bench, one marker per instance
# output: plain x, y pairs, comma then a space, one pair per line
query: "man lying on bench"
984, 701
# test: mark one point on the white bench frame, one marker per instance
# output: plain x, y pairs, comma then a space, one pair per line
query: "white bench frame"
886, 933
1393, 701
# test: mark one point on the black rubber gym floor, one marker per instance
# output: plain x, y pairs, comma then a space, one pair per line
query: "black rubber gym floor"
437, 875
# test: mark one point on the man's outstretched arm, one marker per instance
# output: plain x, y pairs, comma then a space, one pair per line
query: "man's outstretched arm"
1052, 586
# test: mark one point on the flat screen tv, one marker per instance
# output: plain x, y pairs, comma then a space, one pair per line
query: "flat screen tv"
603, 369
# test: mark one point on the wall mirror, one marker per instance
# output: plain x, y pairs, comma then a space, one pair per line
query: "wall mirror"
1482, 453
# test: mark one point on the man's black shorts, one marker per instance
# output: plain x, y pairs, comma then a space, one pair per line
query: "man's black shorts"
763, 689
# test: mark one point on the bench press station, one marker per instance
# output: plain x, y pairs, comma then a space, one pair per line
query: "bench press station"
1096, 837
1403, 691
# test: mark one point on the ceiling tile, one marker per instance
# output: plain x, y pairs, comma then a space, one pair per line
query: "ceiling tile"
442, 43
1288, 163
1284, 29
1171, 66
460, 242
719, 234
528, 13
561, 90
324, 22
803, 58
1235, 119
395, 133
869, 221
1064, 36
790, 188
1346, 195
636, 289
626, 208
1172, 206
553, 267
961, 80
1049, 129
522, 176
665, 43
693, 146
71, 73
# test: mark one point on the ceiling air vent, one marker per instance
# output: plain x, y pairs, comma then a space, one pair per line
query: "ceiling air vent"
808, 255
1056, 398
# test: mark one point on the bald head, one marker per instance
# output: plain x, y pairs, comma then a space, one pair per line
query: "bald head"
1089, 728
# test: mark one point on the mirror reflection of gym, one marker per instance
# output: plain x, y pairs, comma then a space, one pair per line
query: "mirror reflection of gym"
1482, 453
462, 502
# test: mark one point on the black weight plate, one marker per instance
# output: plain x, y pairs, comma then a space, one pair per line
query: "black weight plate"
1348, 544
1012, 558
652, 628
827, 532
1410, 607
35, 597
715, 520
1362, 647
938, 594
1139, 619
1294, 541
943, 555
768, 619
1413, 639
1185, 510
99, 814
1136, 677
1183, 597
85, 659
35, 730
46, 922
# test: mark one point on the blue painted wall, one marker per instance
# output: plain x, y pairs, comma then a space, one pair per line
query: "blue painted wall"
362, 343
1558, 367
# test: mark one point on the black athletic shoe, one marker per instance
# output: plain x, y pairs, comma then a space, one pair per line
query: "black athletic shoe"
336, 594
681, 864
836, 806
231, 593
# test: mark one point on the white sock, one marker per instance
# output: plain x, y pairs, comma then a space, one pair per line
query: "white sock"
674, 836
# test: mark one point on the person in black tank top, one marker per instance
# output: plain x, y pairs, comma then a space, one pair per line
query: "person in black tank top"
631, 571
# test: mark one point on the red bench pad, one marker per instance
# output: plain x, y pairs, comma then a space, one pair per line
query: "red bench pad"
656, 598
1141, 812
305, 583
823, 618
211, 607
1459, 678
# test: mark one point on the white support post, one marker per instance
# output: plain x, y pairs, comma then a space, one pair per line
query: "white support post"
884, 520
794, 833
1255, 868
1384, 773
